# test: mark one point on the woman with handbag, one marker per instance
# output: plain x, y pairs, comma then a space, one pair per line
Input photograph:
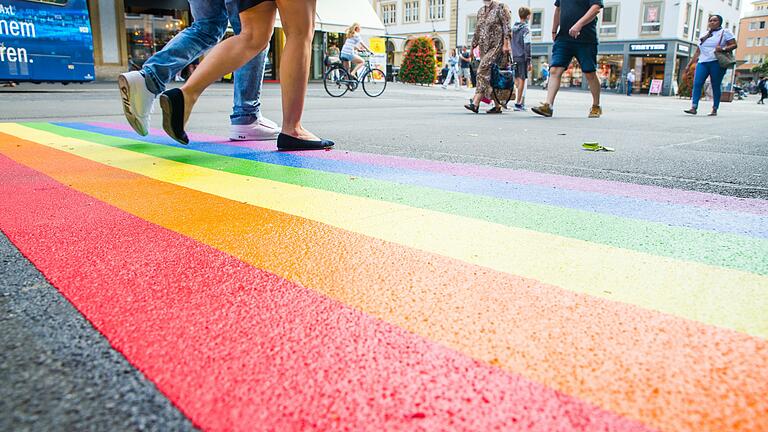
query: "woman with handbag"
493, 36
712, 59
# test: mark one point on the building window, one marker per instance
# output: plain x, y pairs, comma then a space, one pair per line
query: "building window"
747, 58
536, 19
471, 25
687, 23
750, 43
738, 4
758, 42
411, 11
609, 20
436, 10
389, 13
699, 19
651, 18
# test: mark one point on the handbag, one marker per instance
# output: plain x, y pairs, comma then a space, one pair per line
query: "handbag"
726, 59
501, 80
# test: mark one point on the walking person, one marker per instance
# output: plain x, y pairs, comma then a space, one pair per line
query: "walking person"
493, 38
521, 54
258, 20
762, 85
465, 59
574, 30
717, 39
544, 76
630, 81
453, 71
139, 89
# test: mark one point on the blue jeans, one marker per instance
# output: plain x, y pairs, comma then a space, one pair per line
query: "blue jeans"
715, 73
209, 26
629, 88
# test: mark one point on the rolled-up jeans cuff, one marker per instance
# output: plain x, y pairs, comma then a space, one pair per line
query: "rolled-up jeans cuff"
154, 84
244, 119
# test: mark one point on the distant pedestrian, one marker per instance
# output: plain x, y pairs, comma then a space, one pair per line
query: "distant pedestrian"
574, 30
465, 60
453, 70
521, 54
716, 40
630, 81
762, 85
544, 75
493, 38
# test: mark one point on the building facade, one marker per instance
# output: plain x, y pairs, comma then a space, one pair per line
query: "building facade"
406, 20
127, 32
656, 38
753, 41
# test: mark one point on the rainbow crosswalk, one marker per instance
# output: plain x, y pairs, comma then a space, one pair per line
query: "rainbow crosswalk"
347, 291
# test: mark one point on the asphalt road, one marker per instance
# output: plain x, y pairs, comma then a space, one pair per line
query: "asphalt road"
656, 143
58, 372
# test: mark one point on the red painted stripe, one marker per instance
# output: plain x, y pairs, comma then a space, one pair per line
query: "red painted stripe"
237, 348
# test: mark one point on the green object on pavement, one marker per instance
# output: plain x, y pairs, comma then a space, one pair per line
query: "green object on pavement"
593, 146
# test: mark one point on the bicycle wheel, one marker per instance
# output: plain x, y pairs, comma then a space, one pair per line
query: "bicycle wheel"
336, 81
374, 83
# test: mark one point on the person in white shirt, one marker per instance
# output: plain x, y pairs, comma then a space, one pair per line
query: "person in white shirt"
717, 39
630, 81
352, 45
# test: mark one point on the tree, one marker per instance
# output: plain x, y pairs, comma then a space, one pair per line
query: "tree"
761, 69
419, 64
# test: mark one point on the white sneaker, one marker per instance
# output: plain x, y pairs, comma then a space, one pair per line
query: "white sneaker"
138, 101
262, 129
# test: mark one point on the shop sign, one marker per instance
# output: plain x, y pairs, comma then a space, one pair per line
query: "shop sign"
656, 86
684, 49
379, 57
378, 45
648, 47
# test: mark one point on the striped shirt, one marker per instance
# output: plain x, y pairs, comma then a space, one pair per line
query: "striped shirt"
349, 45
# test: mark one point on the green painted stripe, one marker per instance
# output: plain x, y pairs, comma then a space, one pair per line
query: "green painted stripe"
719, 249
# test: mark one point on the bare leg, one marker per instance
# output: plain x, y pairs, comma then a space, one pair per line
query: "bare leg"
594, 87
555, 76
357, 63
298, 18
232, 53
519, 84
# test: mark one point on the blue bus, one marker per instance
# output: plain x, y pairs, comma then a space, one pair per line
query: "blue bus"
45, 41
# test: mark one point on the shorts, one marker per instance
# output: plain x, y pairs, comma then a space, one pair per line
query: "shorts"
521, 68
243, 5
346, 57
564, 51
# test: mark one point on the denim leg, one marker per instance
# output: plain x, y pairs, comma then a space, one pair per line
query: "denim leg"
717, 73
248, 79
699, 78
206, 31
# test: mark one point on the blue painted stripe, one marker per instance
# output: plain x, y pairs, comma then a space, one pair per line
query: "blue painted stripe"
670, 214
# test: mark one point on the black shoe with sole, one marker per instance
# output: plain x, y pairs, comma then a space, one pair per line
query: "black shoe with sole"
494, 110
472, 107
172, 104
289, 143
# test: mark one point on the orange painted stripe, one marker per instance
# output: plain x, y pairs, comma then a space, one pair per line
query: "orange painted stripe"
665, 371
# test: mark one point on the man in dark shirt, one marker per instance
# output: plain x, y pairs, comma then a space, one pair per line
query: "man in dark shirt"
574, 30
464, 60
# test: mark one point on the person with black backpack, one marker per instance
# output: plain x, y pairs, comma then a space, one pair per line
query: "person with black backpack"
762, 85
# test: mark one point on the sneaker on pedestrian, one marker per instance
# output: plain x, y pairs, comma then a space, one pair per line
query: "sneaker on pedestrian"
519, 107
595, 111
138, 101
544, 109
263, 129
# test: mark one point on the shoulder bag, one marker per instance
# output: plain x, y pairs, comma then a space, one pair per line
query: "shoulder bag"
726, 59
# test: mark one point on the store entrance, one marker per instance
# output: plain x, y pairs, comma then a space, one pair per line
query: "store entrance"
648, 67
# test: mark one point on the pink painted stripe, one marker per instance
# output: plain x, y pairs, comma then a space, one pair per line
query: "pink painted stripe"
649, 193
237, 348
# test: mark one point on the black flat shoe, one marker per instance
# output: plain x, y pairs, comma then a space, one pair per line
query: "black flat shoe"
472, 107
172, 104
691, 111
494, 110
289, 143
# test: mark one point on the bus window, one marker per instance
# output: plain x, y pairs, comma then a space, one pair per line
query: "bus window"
45, 40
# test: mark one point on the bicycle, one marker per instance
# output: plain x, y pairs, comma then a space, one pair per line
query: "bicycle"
338, 81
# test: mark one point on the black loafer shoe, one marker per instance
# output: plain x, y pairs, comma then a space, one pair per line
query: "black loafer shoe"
472, 107
172, 104
289, 143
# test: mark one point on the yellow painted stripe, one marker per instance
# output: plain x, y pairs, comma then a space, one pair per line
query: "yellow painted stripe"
718, 296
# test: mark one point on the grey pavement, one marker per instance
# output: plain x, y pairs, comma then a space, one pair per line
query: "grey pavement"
58, 373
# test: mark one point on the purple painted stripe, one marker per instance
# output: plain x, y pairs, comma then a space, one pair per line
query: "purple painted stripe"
650, 193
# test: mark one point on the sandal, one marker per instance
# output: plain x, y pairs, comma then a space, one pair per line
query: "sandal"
472, 107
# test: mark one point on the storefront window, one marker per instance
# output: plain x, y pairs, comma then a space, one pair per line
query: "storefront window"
651, 18
148, 34
572, 76
647, 68
609, 68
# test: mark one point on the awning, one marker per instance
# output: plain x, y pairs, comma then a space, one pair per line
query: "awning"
336, 15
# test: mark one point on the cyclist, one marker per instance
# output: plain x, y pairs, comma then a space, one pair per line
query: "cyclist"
352, 46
